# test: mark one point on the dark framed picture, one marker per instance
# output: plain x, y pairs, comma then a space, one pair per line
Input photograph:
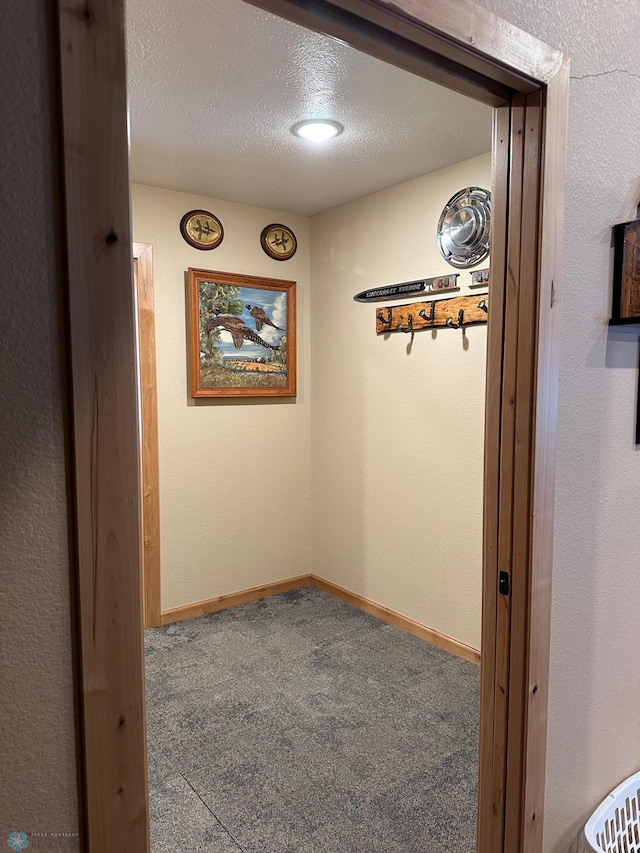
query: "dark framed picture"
242, 335
626, 273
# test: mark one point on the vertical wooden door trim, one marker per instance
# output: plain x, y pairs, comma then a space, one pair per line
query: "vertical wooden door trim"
149, 468
521, 392
534, 243
105, 423
491, 491
555, 111
494, 684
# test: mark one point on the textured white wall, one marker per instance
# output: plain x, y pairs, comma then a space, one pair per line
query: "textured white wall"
37, 771
594, 731
398, 425
234, 473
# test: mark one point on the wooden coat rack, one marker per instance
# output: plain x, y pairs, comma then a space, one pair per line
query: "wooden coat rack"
455, 313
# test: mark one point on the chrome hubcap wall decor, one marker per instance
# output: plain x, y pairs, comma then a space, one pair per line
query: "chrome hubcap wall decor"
464, 226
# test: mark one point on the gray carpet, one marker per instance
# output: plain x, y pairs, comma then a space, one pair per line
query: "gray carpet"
297, 724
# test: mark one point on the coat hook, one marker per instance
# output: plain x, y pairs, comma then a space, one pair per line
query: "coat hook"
457, 325
432, 313
410, 324
384, 320
482, 305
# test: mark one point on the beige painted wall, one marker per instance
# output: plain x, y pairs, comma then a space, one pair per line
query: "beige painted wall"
398, 424
212, 539
38, 781
234, 474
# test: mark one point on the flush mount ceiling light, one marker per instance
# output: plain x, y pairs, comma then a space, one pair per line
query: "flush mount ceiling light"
317, 129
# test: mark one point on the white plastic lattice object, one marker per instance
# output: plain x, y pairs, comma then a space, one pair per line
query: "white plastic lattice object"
614, 827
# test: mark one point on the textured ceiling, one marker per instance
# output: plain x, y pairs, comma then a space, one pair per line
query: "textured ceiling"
215, 85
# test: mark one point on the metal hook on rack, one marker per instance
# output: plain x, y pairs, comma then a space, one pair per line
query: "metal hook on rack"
457, 325
386, 320
432, 313
409, 325
482, 305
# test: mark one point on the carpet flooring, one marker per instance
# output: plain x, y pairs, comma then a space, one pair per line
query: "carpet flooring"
298, 724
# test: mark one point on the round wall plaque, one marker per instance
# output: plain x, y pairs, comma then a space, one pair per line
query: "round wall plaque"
201, 229
279, 242
464, 226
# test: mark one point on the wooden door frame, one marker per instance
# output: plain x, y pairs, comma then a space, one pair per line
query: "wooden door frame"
149, 453
470, 50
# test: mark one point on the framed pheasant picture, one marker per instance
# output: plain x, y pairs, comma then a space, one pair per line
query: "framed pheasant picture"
242, 335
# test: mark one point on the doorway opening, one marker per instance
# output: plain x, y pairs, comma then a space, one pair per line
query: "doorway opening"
528, 91
386, 431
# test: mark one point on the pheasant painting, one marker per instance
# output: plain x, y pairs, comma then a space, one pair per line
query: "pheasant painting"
242, 335
261, 317
237, 328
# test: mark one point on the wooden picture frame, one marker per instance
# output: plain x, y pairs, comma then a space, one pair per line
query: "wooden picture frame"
242, 335
626, 274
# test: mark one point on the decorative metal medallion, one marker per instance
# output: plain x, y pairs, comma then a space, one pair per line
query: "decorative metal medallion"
278, 241
464, 226
201, 229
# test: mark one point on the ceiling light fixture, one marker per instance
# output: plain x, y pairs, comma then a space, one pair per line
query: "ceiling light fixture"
317, 129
